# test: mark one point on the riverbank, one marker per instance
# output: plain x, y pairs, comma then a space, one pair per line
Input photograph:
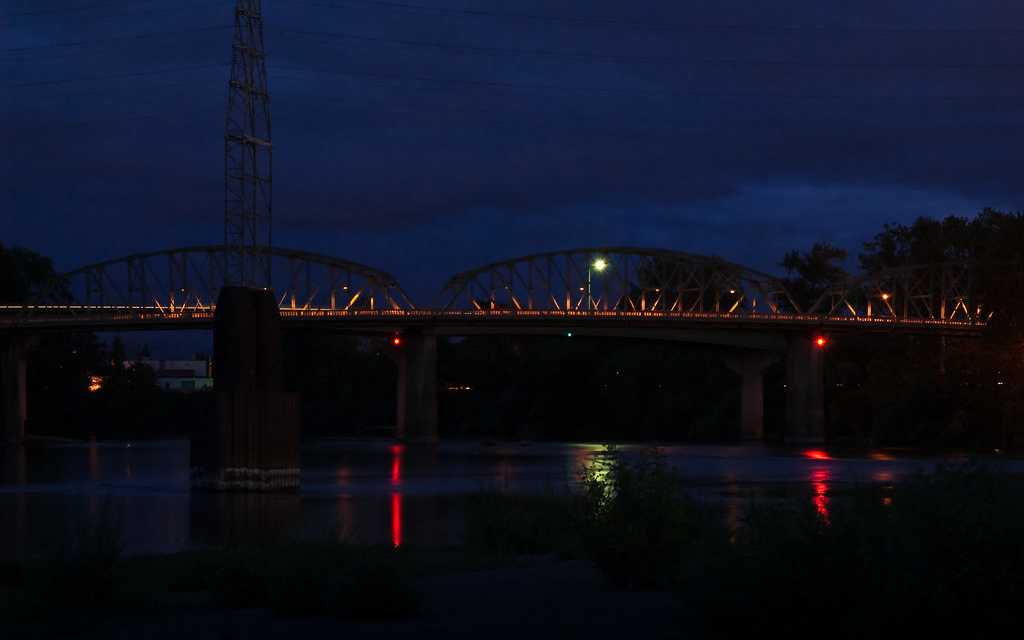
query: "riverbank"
434, 591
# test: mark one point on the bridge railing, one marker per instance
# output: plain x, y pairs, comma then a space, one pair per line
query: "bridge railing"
394, 318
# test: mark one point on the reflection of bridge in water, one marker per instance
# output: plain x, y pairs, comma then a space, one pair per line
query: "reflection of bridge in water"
604, 291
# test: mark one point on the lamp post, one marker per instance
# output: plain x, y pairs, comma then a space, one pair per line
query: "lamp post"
599, 265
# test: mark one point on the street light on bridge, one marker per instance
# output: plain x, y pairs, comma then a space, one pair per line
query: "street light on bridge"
599, 264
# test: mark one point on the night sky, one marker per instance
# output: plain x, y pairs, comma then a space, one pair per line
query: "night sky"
425, 137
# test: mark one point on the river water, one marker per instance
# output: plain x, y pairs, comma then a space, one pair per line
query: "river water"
368, 491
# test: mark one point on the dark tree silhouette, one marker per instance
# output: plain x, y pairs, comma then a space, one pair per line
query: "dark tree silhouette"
812, 273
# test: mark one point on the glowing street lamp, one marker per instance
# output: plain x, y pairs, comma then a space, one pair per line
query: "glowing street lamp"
598, 265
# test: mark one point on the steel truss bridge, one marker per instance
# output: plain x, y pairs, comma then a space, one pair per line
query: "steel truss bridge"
600, 288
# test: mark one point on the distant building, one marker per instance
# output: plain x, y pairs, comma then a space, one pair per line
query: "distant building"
180, 375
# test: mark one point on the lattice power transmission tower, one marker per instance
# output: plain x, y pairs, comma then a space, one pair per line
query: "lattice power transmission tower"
247, 154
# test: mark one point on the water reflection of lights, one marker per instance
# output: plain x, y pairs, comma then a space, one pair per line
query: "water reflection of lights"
396, 519
817, 454
820, 478
594, 463
396, 496
396, 464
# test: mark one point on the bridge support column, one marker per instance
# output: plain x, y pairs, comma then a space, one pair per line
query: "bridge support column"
750, 366
417, 388
254, 445
13, 388
805, 399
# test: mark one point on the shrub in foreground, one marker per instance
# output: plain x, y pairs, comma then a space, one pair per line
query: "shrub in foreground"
638, 525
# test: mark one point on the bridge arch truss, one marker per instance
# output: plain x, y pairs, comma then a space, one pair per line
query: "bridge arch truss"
637, 282
190, 278
619, 279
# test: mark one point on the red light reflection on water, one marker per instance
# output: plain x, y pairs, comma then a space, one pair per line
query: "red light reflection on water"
396, 519
817, 454
820, 478
396, 464
396, 497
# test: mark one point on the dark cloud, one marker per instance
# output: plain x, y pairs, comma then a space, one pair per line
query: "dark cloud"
426, 140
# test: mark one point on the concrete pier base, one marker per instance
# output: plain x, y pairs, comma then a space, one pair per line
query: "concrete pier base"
750, 366
805, 400
254, 445
13, 389
417, 388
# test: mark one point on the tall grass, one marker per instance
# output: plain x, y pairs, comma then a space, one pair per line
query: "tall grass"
942, 555
638, 524
631, 517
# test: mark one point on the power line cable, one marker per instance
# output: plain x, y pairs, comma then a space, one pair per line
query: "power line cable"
84, 43
109, 92
659, 26
639, 92
132, 10
588, 56
550, 118
86, 7
535, 124
24, 85
34, 131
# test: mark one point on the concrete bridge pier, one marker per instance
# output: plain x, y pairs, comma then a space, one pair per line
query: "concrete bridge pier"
417, 387
805, 399
13, 388
254, 443
750, 366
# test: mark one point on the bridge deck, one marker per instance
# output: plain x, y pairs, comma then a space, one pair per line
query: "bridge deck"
457, 322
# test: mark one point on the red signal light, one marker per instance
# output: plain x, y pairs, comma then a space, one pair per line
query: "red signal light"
821, 341
396, 341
